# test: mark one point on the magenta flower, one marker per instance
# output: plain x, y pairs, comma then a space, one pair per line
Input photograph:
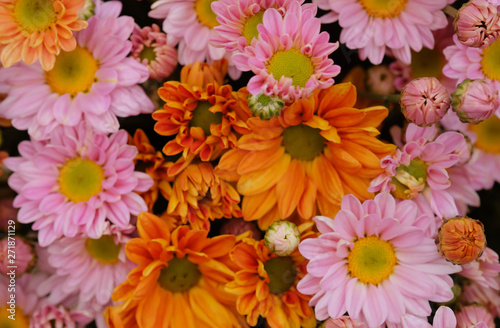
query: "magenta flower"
477, 23
75, 181
475, 100
364, 263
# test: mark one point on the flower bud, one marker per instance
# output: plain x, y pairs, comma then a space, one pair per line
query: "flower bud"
474, 100
461, 240
424, 101
380, 80
237, 226
265, 106
24, 258
343, 322
282, 238
477, 23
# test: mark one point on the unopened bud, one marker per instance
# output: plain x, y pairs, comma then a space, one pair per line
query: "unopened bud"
474, 100
477, 23
282, 238
264, 106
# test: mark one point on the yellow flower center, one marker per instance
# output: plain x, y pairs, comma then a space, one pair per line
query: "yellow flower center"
73, 72
103, 249
205, 14
20, 320
488, 134
148, 53
250, 27
293, 64
303, 142
179, 276
34, 15
421, 66
203, 117
371, 260
383, 8
410, 180
80, 179
490, 62
281, 272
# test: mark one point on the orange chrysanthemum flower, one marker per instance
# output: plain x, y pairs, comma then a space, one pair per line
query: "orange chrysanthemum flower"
318, 150
199, 196
266, 286
38, 29
204, 120
179, 279
152, 162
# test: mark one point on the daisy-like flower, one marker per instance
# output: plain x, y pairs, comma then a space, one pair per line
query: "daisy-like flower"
87, 268
400, 26
95, 82
290, 56
419, 170
205, 121
153, 49
484, 270
200, 196
266, 285
319, 149
476, 293
38, 29
76, 180
179, 280
474, 316
364, 263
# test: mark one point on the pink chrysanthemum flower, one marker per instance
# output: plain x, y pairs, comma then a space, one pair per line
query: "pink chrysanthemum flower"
89, 268
239, 20
76, 180
290, 56
23, 256
419, 170
58, 316
95, 82
475, 293
473, 316
400, 26
364, 263
484, 270
153, 49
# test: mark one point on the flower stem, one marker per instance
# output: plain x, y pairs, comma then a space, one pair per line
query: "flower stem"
450, 11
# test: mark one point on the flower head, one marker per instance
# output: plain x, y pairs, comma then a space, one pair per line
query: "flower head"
474, 316
424, 101
265, 106
32, 30
477, 23
364, 263
75, 181
475, 100
282, 238
58, 316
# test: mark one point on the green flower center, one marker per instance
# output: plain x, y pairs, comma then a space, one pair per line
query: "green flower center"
34, 15
148, 53
179, 276
303, 142
488, 134
73, 72
281, 272
80, 179
103, 249
490, 62
371, 260
421, 66
383, 8
250, 27
410, 180
205, 14
293, 64
203, 117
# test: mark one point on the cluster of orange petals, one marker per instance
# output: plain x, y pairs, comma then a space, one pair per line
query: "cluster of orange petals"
18, 42
275, 185
199, 196
286, 310
147, 304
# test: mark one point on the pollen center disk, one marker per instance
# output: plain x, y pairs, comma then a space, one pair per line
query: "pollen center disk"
488, 134
250, 27
80, 179
203, 117
490, 63
383, 8
303, 142
293, 64
34, 15
180, 275
371, 260
21, 321
205, 14
103, 249
73, 72
281, 272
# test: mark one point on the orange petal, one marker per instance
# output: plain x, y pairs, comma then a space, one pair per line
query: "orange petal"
307, 204
259, 159
256, 206
290, 188
337, 96
151, 227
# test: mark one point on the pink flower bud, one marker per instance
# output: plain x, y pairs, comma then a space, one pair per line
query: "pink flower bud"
282, 238
424, 101
477, 23
474, 100
22, 255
